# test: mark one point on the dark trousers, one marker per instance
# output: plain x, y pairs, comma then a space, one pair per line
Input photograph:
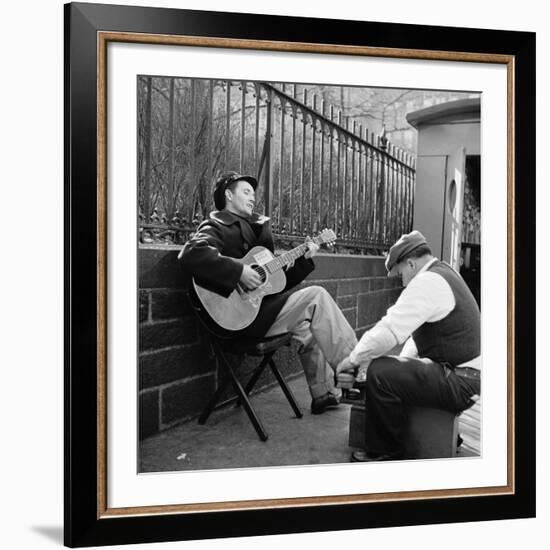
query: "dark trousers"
393, 383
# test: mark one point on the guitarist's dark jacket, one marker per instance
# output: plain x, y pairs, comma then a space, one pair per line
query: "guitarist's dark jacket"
208, 257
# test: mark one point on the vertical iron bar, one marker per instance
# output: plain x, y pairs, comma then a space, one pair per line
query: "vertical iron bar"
192, 144
170, 197
393, 194
412, 176
391, 190
372, 194
402, 194
387, 210
409, 195
354, 187
389, 205
268, 161
148, 156
302, 176
413, 185
385, 194
321, 169
294, 114
257, 128
227, 123
361, 212
281, 165
345, 216
398, 190
354, 190
406, 195
312, 170
210, 131
329, 202
339, 221
243, 112
407, 199
367, 199
398, 193
379, 193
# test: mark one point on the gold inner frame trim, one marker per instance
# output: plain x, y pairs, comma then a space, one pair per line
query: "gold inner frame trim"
103, 38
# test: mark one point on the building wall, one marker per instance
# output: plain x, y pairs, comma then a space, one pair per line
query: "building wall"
177, 373
444, 139
438, 146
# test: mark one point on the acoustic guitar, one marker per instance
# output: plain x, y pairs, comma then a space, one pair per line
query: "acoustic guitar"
241, 307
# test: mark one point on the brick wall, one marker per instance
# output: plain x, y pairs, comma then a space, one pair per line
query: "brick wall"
176, 372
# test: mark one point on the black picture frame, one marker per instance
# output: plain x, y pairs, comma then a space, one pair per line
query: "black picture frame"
86, 523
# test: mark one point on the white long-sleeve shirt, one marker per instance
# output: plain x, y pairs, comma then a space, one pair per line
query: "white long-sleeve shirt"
426, 299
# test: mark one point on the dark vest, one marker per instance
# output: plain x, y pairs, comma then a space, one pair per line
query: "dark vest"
454, 339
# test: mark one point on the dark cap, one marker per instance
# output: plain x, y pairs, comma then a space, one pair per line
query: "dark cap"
406, 243
227, 178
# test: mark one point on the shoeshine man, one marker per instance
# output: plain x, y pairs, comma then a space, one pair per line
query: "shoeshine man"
438, 318
309, 314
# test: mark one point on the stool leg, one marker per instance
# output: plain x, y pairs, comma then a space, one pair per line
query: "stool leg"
246, 404
257, 373
254, 378
286, 390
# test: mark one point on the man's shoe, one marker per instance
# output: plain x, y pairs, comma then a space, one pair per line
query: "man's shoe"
364, 456
320, 404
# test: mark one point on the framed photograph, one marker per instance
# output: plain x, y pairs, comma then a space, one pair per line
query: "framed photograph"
349, 134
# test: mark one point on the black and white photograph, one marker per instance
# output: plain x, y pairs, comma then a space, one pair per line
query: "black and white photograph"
215, 218
297, 262
309, 267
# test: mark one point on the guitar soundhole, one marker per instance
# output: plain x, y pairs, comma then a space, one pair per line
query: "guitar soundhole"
260, 270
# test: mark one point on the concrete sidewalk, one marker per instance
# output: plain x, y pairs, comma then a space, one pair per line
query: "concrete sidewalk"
228, 439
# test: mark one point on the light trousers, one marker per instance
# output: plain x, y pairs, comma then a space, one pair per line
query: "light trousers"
324, 334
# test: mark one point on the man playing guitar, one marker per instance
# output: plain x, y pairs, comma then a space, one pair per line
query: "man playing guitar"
211, 257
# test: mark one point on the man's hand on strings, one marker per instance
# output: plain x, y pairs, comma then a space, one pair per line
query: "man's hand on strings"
249, 278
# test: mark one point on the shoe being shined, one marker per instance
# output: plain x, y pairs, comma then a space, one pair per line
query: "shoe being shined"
320, 404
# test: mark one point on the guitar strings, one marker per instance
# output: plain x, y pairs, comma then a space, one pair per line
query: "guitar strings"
261, 272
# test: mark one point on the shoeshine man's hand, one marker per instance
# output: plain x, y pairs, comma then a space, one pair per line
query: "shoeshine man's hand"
345, 374
249, 278
346, 366
313, 248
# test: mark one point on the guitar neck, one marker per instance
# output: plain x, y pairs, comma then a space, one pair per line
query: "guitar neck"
287, 258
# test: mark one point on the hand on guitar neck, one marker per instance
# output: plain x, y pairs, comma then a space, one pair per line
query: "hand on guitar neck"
313, 248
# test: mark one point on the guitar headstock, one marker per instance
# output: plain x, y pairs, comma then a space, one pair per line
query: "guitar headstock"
327, 236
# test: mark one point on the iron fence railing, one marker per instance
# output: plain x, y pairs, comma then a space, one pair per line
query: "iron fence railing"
316, 169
